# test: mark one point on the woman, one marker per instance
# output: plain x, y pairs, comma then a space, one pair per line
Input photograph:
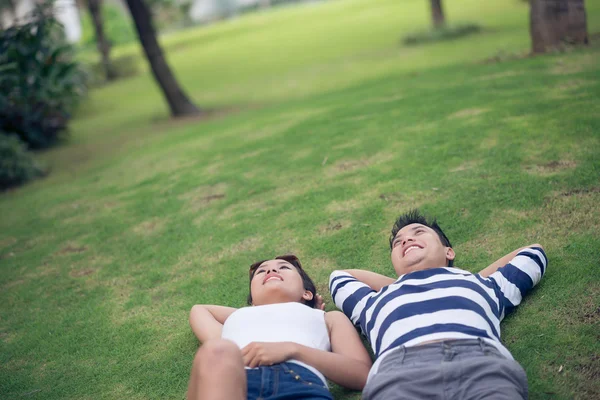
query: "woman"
280, 348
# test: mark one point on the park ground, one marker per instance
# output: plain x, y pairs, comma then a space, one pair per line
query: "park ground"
321, 128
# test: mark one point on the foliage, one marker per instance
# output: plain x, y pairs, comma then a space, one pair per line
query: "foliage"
17, 164
125, 66
171, 14
40, 84
8, 6
440, 34
118, 26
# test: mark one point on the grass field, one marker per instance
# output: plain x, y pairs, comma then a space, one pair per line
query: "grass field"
324, 128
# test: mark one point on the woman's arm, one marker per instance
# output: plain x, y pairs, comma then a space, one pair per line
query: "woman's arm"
372, 279
207, 320
348, 363
501, 262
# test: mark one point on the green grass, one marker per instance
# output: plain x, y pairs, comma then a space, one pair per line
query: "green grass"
330, 129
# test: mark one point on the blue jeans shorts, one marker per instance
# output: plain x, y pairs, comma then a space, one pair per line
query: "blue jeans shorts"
285, 381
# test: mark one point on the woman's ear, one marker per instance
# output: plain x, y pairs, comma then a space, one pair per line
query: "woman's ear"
307, 296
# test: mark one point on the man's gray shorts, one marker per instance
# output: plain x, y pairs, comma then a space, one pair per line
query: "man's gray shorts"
453, 369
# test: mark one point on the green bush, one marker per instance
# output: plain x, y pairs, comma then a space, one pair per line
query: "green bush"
124, 66
17, 164
40, 84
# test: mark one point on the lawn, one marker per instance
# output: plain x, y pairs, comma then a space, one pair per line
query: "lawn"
322, 129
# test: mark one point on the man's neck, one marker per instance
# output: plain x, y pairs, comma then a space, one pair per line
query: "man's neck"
421, 267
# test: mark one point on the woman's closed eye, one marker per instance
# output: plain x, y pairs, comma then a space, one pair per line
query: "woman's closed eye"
263, 270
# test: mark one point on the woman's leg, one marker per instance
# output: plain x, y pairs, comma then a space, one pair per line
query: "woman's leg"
218, 372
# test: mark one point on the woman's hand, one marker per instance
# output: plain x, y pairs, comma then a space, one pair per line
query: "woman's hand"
319, 303
262, 353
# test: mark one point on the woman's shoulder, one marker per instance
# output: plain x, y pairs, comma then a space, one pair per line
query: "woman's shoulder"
334, 315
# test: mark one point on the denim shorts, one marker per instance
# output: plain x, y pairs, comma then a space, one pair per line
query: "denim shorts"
285, 381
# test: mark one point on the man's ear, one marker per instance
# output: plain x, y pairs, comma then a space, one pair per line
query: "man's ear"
307, 296
450, 255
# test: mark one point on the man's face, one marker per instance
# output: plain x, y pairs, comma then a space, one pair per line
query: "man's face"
417, 247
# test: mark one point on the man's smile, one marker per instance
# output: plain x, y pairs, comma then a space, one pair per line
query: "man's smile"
410, 248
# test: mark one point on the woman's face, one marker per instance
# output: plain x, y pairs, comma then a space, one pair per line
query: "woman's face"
277, 281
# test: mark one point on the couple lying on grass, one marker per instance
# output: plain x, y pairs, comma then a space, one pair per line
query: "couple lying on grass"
435, 330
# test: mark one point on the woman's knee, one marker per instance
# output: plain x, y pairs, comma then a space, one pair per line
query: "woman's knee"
218, 352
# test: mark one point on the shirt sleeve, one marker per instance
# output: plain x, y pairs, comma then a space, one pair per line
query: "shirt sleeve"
349, 294
519, 276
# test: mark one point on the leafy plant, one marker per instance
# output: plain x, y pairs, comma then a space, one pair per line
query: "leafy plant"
17, 165
40, 84
124, 66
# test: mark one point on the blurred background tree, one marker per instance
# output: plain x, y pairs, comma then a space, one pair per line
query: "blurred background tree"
117, 24
178, 101
102, 42
437, 14
555, 23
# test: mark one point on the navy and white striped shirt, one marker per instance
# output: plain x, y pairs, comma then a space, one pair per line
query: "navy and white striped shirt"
438, 303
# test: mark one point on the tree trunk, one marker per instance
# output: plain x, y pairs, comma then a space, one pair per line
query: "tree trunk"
102, 43
553, 23
437, 14
179, 103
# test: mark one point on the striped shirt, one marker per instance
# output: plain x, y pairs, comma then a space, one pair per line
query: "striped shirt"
438, 303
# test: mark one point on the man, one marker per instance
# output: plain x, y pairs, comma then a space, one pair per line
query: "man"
435, 331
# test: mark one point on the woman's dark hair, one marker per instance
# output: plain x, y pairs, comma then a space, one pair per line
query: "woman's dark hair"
415, 217
306, 281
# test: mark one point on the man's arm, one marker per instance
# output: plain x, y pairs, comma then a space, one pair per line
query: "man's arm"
501, 262
207, 320
518, 276
374, 280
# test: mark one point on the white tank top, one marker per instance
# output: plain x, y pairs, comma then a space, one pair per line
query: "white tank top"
284, 322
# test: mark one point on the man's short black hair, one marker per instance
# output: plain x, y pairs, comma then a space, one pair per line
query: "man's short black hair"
414, 216
306, 281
